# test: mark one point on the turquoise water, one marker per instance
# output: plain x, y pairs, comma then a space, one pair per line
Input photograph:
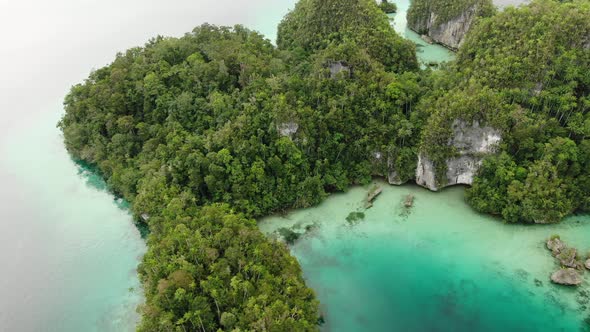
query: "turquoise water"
438, 266
427, 53
68, 249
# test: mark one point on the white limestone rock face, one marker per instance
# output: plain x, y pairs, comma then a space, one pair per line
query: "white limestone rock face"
338, 68
425, 174
393, 178
452, 33
472, 143
568, 277
288, 129
391, 173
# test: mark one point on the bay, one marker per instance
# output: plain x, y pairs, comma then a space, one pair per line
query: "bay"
438, 266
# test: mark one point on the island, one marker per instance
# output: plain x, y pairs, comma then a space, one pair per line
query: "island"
204, 133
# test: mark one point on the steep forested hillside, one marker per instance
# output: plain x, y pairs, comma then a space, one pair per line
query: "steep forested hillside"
529, 68
317, 24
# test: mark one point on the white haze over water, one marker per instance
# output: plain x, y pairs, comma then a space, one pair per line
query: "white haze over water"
67, 252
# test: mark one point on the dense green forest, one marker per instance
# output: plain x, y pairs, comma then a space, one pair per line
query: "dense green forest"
203, 133
539, 71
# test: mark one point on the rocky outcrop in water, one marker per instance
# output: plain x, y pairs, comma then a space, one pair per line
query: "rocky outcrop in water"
568, 277
571, 265
555, 245
568, 257
472, 143
587, 264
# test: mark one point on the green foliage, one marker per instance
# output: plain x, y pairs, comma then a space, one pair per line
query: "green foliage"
210, 268
316, 24
536, 50
387, 7
184, 123
472, 103
531, 86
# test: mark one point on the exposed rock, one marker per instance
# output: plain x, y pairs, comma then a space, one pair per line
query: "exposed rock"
452, 33
555, 245
567, 258
427, 39
472, 143
337, 67
386, 168
587, 264
288, 129
393, 178
392, 175
425, 173
537, 89
569, 277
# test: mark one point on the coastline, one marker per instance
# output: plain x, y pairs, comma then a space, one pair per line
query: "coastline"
441, 235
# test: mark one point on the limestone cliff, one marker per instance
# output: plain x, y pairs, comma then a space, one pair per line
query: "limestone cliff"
450, 33
384, 165
472, 143
448, 22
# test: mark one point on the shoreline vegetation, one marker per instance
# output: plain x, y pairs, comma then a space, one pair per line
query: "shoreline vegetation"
206, 132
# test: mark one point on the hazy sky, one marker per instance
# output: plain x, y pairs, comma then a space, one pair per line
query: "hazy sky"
49, 45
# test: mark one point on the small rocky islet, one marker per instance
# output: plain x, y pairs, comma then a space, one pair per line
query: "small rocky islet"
572, 265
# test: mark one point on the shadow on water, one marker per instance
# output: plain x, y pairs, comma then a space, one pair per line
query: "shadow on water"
94, 179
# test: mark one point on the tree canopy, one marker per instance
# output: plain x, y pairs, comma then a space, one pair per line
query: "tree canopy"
205, 132
316, 24
537, 73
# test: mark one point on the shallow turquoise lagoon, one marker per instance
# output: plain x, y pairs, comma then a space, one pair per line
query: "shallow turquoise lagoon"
438, 266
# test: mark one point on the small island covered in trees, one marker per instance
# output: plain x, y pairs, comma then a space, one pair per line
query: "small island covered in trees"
203, 133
